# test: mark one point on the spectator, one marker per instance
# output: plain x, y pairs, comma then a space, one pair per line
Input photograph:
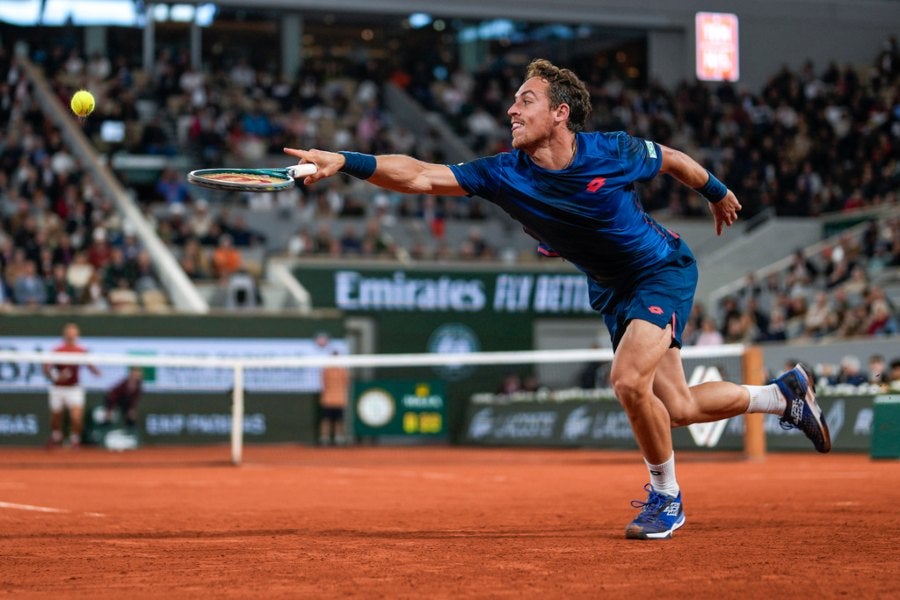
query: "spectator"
59, 291
28, 289
118, 268
226, 258
511, 383
145, 275
299, 243
350, 241
93, 294
171, 187
878, 372
818, 319
709, 335
850, 371
99, 251
242, 236
124, 397
195, 261
5, 296
894, 384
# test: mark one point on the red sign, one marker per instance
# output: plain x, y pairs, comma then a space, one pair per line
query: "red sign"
717, 47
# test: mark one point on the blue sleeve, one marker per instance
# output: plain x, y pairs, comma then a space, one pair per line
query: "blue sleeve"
479, 177
641, 159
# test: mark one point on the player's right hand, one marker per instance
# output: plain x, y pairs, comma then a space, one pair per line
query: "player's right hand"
327, 163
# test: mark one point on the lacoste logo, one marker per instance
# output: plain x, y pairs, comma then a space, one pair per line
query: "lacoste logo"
578, 424
655, 473
655, 310
673, 509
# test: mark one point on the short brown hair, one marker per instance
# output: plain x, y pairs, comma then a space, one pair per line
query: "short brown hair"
565, 88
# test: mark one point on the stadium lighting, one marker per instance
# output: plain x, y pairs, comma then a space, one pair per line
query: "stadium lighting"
21, 12
181, 13
160, 12
205, 14
110, 12
419, 20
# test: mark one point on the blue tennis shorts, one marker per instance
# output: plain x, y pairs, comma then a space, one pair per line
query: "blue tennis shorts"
662, 295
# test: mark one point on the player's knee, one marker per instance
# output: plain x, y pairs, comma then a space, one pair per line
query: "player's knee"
628, 388
678, 416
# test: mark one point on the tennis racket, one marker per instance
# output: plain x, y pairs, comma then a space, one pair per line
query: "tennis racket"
250, 180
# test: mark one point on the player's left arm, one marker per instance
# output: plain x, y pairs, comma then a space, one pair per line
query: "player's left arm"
685, 169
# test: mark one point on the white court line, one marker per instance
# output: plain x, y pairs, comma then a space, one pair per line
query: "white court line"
44, 509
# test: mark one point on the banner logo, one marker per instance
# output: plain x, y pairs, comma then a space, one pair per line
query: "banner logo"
453, 338
706, 435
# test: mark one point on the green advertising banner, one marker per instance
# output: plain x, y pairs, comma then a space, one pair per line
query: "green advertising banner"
399, 408
602, 423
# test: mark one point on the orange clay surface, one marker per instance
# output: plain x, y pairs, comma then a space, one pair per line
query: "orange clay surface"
374, 522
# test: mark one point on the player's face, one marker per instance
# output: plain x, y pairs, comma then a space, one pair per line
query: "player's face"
70, 334
530, 115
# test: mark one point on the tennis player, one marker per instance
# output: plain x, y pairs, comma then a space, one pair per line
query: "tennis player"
65, 391
575, 193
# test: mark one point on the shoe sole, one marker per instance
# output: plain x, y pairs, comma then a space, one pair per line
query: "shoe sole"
815, 409
639, 534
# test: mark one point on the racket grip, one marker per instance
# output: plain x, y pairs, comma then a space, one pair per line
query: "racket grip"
302, 170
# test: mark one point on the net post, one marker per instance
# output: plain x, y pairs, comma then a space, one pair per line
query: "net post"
237, 415
754, 424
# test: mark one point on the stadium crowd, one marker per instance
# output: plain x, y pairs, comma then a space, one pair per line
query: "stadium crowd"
807, 143
832, 294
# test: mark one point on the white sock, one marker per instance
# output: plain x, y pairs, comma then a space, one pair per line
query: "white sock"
766, 399
662, 477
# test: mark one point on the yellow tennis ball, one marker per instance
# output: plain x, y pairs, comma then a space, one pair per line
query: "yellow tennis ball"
82, 103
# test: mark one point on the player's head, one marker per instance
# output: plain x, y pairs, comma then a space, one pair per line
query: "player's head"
563, 87
551, 99
70, 333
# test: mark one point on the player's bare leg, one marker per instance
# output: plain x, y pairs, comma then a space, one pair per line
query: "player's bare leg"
640, 350
633, 372
76, 425
792, 397
709, 401
56, 423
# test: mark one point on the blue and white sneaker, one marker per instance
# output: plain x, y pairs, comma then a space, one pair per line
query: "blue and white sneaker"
660, 516
802, 411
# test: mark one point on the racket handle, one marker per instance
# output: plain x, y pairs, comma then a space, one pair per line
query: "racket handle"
302, 170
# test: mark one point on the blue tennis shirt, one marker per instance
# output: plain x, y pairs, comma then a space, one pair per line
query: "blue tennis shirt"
589, 212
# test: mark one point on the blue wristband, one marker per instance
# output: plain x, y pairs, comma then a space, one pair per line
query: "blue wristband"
713, 190
361, 166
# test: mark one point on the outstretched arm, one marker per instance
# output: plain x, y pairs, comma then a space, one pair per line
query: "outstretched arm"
392, 171
689, 172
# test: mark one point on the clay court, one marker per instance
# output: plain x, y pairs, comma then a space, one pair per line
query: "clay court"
297, 522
